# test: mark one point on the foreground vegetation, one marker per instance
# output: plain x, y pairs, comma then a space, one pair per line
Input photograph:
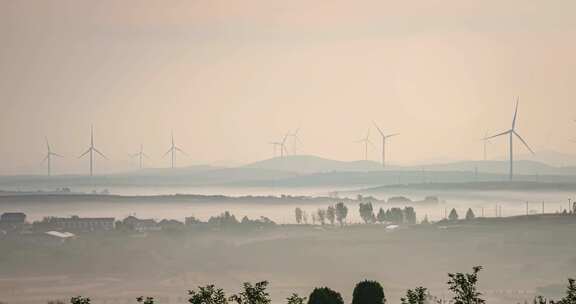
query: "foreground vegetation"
463, 287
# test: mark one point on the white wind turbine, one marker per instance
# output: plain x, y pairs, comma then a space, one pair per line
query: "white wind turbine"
384, 137
366, 141
91, 151
295, 140
511, 133
48, 157
173, 149
141, 155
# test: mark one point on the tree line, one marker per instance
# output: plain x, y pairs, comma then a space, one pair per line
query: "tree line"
339, 212
463, 288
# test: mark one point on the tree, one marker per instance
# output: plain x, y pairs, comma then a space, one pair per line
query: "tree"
470, 214
305, 217
409, 215
147, 300
381, 216
453, 216
299, 215
325, 295
207, 295
395, 215
570, 297
321, 216
331, 214
295, 299
79, 300
341, 213
463, 285
425, 220
252, 294
416, 296
367, 212
368, 292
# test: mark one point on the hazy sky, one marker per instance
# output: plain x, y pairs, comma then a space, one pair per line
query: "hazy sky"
230, 76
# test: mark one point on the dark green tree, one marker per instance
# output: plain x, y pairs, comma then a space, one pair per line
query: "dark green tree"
395, 215
321, 216
416, 296
367, 212
252, 294
207, 295
409, 215
295, 299
299, 215
453, 216
470, 214
381, 216
570, 297
368, 292
341, 213
325, 295
463, 286
79, 300
331, 214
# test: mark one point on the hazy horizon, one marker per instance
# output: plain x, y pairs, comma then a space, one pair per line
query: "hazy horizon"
228, 78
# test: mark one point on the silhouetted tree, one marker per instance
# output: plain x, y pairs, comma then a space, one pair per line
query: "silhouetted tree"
325, 295
416, 296
395, 215
304, 217
470, 214
381, 216
409, 215
368, 292
299, 215
570, 297
341, 213
331, 214
295, 299
463, 285
321, 216
453, 216
147, 300
367, 212
207, 295
79, 300
252, 294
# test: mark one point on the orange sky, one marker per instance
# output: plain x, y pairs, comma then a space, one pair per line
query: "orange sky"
230, 76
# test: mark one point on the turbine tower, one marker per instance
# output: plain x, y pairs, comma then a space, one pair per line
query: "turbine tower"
141, 155
384, 137
283, 149
91, 151
173, 149
295, 140
511, 133
366, 141
48, 157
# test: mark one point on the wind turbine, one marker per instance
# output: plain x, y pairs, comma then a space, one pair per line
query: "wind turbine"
48, 157
511, 133
366, 141
173, 149
283, 145
295, 140
384, 137
91, 151
275, 144
141, 155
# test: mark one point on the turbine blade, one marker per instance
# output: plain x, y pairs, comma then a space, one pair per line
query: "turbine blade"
394, 134
515, 114
378, 128
145, 155
56, 154
524, 142
167, 152
499, 134
45, 158
87, 151
181, 151
101, 154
